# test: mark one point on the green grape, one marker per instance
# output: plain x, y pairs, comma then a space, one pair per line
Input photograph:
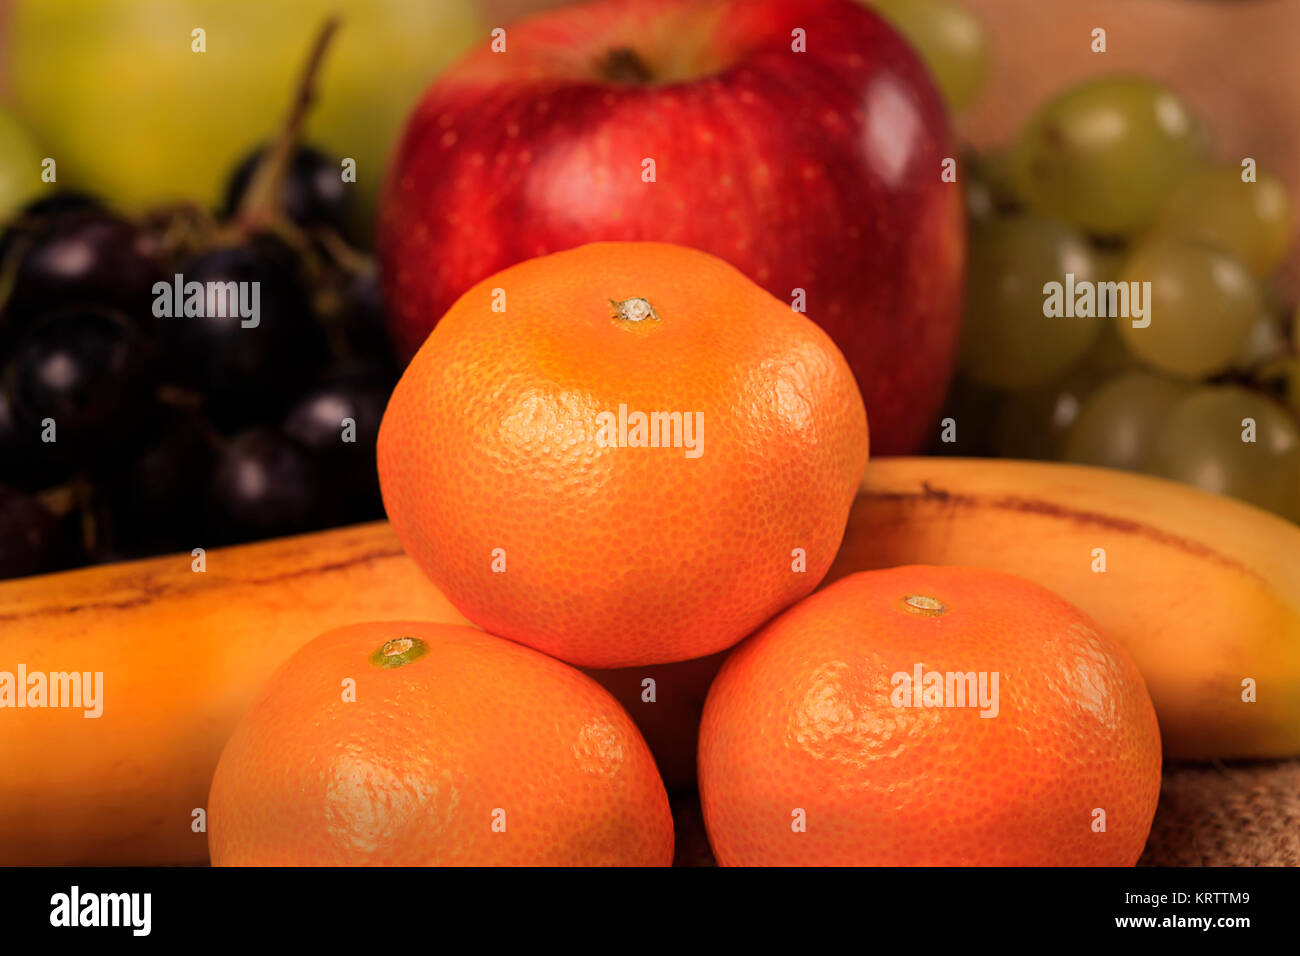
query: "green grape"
1120, 421
20, 167
1109, 356
1265, 340
989, 190
949, 38
1104, 154
1201, 305
1110, 259
1201, 443
1034, 424
1007, 341
1250, 220
1281, 378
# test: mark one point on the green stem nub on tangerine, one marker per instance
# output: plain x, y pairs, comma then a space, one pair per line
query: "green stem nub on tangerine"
635, 309
922, 604
399, 651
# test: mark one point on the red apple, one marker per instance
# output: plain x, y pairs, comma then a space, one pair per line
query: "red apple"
802, 140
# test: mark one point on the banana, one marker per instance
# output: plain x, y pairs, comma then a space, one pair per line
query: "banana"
1203, 590
181, 653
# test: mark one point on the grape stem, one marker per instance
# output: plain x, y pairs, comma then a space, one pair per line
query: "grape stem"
344, 255
260, 206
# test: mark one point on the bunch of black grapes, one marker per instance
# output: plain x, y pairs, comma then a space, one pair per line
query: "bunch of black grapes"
124, 433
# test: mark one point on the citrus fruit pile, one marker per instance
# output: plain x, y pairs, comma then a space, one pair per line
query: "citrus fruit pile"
628, 457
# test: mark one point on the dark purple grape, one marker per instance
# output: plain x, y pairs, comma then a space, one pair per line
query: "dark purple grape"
315, 420
10, 436
84, 258
365, 321
58, 204
313, 193
26, 461
156, 496
89, 370
12, 445
264, 485
337, 423
70, 552
29, 535
248, 367
38, 217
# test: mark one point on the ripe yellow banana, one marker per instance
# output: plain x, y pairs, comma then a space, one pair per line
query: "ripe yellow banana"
1204, 591
179, 654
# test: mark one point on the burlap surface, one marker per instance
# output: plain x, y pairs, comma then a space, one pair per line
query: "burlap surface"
1236, 814
1239, 814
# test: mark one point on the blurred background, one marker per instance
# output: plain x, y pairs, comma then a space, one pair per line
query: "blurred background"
176, 434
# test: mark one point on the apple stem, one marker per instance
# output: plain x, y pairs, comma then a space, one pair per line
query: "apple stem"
260, 205
624, 65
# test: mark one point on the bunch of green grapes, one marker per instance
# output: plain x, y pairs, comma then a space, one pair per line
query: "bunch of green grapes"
1194, 374
1010, 341
949, 39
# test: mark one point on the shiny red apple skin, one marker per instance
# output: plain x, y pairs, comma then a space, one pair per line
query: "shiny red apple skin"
817, 170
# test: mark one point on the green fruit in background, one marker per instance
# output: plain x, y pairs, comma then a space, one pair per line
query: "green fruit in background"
1202, 442
1104, 154
1202, 304
990, 191
1281, 378
129, 111
1266, 338
1122, 419
949, 38
1034, 424
1007, 341
20, 166
1250, 219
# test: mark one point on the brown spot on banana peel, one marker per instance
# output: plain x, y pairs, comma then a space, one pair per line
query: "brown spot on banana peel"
1051, 509
151, 591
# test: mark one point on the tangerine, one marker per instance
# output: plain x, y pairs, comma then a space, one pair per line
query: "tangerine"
931, 716
453, 748
623, 454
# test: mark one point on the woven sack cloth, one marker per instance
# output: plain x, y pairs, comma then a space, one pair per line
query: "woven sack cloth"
1227, 814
